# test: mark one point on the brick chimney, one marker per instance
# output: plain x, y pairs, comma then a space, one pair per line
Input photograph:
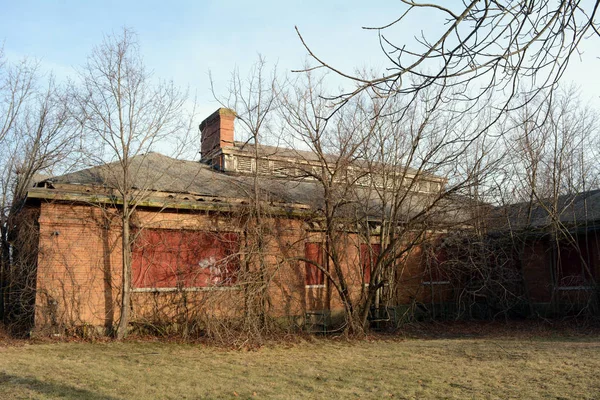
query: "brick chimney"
216, 133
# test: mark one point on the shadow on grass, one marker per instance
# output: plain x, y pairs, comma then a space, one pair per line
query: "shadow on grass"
530, 330
8, 381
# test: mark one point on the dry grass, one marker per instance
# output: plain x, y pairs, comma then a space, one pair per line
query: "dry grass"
533, 367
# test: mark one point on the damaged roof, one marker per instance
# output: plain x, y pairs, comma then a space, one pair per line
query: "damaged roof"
175, 183
160, 173
154, 172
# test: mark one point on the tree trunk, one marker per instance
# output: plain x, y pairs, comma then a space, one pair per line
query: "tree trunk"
4, 268
126, 280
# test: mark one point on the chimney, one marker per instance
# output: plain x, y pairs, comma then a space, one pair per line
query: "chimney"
216, 132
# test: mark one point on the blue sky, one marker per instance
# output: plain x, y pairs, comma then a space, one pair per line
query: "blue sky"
183, 40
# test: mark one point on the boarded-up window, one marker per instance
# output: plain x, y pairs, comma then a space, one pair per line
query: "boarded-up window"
314, 253
164, 258
434, 259
368, 259
574, 264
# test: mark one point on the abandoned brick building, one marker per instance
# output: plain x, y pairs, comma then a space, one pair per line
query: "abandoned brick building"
191, 233
189, 226
557, 251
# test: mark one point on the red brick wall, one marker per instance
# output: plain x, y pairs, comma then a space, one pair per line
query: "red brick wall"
77, 283
537, 264
217, 131
79, 268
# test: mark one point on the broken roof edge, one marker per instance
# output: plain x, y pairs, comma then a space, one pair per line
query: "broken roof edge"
165, 200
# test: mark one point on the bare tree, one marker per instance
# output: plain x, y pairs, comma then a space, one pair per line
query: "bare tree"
334, 144
552, 165
38, 135
535, 197
127, 113
254, 98
495, 47
391, 174
488, 60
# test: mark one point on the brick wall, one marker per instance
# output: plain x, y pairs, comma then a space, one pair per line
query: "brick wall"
217, 131
79, 268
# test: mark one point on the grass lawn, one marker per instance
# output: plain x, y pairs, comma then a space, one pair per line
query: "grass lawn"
549, 367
